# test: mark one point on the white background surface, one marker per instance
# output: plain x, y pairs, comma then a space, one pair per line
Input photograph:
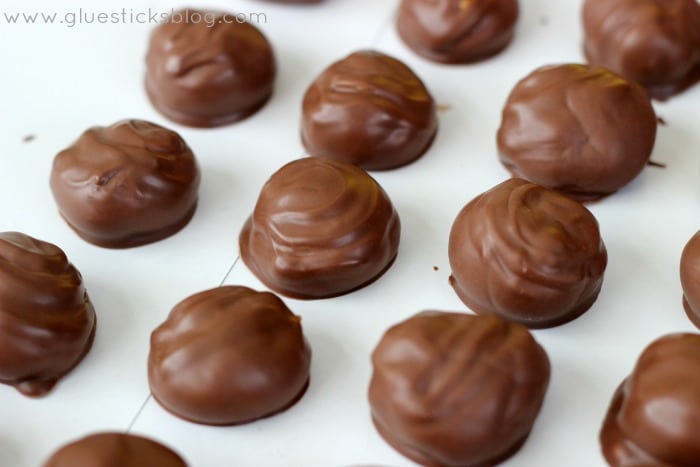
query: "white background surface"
57, 81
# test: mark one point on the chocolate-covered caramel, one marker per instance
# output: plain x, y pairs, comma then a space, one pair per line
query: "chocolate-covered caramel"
582, 131
47, 322
207, 68
654, 417
227, 356
690, 279
457, 31
114, 450
451, 389
127, 184
320, 228
368, 109
653, 42
526, 254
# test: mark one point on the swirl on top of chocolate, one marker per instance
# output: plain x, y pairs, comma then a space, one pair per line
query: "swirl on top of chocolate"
690, 279
584, 132
47, 322
457, 31
207, 68
654, 416
320, 228
368, 109
127, 184
653, 42
451, 389
527, 254
227, 356
114, 450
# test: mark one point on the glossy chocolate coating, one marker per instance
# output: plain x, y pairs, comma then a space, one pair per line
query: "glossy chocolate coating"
368, 109
690, 279
320, 228
47, 322
127, 184
227, 356
581, 131
451, 389
654, 417
526, 254
457, 31
653, 42
114, 450
208, 73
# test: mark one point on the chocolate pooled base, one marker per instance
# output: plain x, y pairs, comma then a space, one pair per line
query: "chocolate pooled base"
653, 42
581, 131
654, 417
228, 356
114, 450
455, 31
127, 184
368, 109
47, 322
320, 228
208, 73
690, 279
451, 389
526, 254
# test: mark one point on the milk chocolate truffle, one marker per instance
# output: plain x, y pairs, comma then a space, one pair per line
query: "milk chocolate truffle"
690, 279
457, 31
320, 228
114, 450
206, 68
584, 132
451, 389
127, 184
47, 322
526, 254
654, 417
227, 356
368, 109
653, 42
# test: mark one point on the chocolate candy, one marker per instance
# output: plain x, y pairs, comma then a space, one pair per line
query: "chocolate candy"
227, 356
47, 322
653, 42
320, 228
654, 417
584, 132
368, 109
207, 68
112, 450
450, 389
127, 184
457, 31
690, 279
526, 254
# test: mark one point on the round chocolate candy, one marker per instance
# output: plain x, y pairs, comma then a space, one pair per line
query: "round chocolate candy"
47, 322
227, 356
320, 228
451, 389
127, 184
690, 279
526, 254
368, 109
457, 31
114, 450
654, 416
207, 68
584, 132
653, 42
